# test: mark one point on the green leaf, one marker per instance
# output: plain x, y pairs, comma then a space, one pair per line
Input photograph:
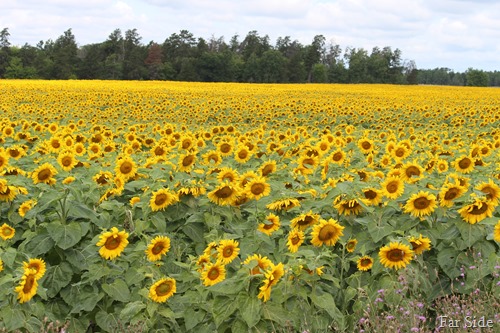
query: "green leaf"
13, 318
193, 317
131, 310
9, 257
107, 321
159, 222
448, 261
57, 277
40, 244
195, 231
378, 232
326, 302
65, 235
276, 313
223, 308
117, 290
250, 308
78, 210
470, 233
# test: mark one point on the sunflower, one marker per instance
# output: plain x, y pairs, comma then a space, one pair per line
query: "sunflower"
326, 232
477, 211
450, 192
228, 174
4, 159
399, 152
272, 277
202, 261
491, 190
307, 164
112, 243
284, 204
257, 188
211, 249
442, 166
186, 162
44, 174
420, 204
365, 263
261, 263
463, 164
35, 266
420, 244
158, 247
27, 287
365, 145
227, 251
392, 187
7, 232
125, 167
162, 290
68, 180
1, 265
7, 193
213, 273
162, 198
67, 160
102, 177
295, 239
372, 197
267, 168
337, 157
496, 232
351, 245
242, 154
225, 148
395, 255
411, 172
212, 157
224, 194
271, 225
304, 220
247, 177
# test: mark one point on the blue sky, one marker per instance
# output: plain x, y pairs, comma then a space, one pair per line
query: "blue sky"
457, 34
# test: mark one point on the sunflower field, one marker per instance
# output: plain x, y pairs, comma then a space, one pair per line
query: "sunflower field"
203, 207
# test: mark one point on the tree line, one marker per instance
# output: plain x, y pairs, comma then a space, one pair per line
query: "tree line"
183, 57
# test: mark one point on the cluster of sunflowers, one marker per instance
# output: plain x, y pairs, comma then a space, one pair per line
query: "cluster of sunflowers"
307, 164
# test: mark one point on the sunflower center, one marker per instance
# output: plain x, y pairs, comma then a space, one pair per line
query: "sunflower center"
421, 203
400, 152
365, 262
157, 248
464, 163
213, 273
126, 167
14, 153
227, 252
327, 233
225, 148
267, 170
395, 255
242, 154
295, 240
224, 192
490, 192
412, 171
451, 194
257, 189
370, 194
112, 243
55, 144
163, 289
478, 209
306, 220
44, 174
366, 145
160, 199
159, 151
337, 156
188, 160
213, 157
392, 187
6, 231
66, 161
28, 284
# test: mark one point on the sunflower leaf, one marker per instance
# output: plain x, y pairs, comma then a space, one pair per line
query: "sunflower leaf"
65, 235
13, 318
118, 290
250, 308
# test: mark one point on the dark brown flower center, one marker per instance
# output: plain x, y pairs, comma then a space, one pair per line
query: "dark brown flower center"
112, 242
421, 203
163, 289
327, 232
395, 255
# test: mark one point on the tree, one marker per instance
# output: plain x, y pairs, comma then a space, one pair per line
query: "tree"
358, 65
476, 78
154, 62
272, 67
411, 72
133, 56
16, 70
314, 54
64, 56
4, 50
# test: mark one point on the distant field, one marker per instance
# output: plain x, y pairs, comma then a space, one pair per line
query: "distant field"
169, 206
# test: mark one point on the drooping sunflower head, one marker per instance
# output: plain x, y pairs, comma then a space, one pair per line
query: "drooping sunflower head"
491, 190
228, 250
477, 211
162, 290
261, 264
303, 221
326, 233
35, 266
365, 263
112, 243
284, 204
395, 255
346, 206
28, 286
420, 244
7, 192
270, 225
295, 239
421, 204
159, 246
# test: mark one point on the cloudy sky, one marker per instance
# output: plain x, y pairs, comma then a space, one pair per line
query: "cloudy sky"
457, 34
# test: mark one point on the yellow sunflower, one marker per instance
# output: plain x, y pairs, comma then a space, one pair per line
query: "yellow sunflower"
134, 200
1, 265
44, 174
202, 261
272, 277
242, 154
491, 190
224, 194
326, 232
67, 160
225, 148
227, 251
7, 232
158, 247
125, 167
295, 239
267, 168
304, 220
395, 255
27, 287
420, 244
337, 157
372, 197
420, 204
228, 175
463, 164
496, 232
257, 188
477, 211
392, 187
271, 225
162, 290
7, 193
450, 192
261, 263
347, 207
212, 158
411, 172
351, 245
112, 243
213, 274
365, 263
162, 198
35, 266
4, 159
284, 204
186, 162
68, 180
365, 145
